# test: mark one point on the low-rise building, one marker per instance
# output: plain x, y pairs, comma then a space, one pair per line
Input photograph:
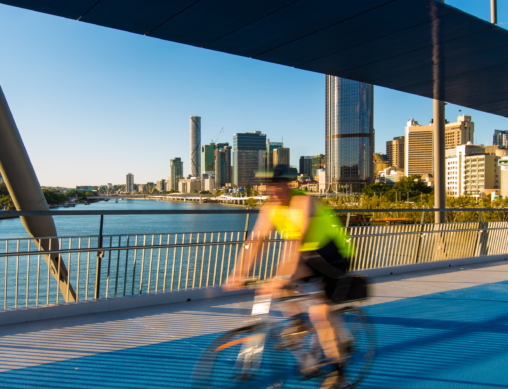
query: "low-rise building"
208, 181
189, 185
503, 175
470, 170
86, 188
308, 185
393, 175
161, 185
381, 162
321, 174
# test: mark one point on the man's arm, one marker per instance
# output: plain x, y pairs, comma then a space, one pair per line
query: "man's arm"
249, 251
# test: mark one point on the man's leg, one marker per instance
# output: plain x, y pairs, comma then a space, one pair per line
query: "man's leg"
291, 308
320, 318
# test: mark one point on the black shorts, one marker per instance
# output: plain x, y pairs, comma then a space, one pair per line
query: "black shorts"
336, 282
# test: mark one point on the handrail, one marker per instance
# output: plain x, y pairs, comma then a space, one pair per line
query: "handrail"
134, 264
229, 211
131, 212
116, 248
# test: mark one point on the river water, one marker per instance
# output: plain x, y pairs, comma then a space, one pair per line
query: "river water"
136, 224
26, 281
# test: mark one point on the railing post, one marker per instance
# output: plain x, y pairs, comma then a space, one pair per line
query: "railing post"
420, 236
245, 235
99, 261
480, 231
348, 218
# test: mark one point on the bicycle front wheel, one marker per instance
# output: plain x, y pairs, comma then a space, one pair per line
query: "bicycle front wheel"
242, 358
355, 333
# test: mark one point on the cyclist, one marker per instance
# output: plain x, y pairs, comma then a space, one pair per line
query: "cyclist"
321, 251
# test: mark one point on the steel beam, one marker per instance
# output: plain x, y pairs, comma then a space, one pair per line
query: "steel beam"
26, 193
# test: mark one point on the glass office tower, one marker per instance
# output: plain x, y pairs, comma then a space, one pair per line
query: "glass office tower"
248, 157
349, 134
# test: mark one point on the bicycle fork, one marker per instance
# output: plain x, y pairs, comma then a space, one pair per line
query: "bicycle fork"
251, 353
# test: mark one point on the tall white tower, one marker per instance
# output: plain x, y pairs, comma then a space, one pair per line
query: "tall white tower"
195, 145
129, 187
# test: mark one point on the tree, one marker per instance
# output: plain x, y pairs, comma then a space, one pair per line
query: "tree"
54, 197
251, 202
377, 188
6, 202
408, 187
248, 190
3, 190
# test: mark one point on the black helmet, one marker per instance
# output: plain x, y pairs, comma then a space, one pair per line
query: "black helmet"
281, 173
284, 173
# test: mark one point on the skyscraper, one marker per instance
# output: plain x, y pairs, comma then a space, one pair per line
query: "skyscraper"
349, 133
459, 132
306, 165
270, 147
318, 162
175, 173
129, 187
222, 165
419, 141
500, 139
281, 156
395, 152
208, 158
418, 149
195, 145
248, 152
161, 185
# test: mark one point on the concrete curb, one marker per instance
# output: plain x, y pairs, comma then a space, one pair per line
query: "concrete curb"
22, 315
386, 271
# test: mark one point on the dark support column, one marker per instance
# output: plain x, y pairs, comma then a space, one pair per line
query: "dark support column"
439, 160
493, 11
439, 121
26, 193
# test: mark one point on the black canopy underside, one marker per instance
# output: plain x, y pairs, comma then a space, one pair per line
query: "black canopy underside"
422, 47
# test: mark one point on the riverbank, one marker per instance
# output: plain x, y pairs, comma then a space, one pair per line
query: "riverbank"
206, 199
82, 225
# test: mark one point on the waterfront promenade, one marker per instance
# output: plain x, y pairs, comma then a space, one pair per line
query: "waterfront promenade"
442, 328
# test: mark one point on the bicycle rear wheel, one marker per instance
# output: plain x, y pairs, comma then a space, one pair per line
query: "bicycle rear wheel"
242, 358
357, 337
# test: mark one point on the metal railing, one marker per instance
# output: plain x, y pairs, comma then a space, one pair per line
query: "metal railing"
110, 266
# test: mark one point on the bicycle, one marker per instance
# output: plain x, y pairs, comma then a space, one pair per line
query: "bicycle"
258, 356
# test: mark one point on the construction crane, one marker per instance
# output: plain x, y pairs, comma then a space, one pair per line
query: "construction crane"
218, 136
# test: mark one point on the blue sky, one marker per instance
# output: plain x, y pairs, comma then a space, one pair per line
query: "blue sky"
93, 104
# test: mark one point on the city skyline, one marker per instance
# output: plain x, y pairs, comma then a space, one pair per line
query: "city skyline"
131, 113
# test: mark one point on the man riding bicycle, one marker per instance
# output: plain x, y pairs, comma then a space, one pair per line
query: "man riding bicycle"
321, 251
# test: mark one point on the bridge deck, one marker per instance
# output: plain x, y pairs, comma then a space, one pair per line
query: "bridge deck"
439, 328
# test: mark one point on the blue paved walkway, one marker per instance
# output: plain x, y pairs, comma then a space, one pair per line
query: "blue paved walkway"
456, 339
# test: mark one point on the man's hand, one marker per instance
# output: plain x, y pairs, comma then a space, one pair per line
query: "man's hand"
272, 288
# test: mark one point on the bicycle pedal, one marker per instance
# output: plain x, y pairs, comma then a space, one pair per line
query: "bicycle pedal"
242, 377
309, 374
290, 340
